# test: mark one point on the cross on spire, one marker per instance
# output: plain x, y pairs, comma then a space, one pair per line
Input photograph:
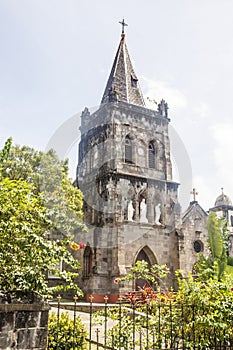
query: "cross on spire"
194, 193
123, 26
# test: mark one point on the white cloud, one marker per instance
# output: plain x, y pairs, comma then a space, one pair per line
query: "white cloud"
202, 110
222, 133
158, 90
223, 155
207, 193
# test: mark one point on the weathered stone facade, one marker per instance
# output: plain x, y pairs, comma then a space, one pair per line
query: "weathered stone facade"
23, 321
193, 237
130, 200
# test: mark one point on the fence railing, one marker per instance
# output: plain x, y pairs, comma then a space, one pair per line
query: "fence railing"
158, 325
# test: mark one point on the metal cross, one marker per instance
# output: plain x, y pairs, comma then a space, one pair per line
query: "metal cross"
194, 193
123, 25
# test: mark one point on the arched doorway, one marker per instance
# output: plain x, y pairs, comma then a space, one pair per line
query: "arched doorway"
144, 254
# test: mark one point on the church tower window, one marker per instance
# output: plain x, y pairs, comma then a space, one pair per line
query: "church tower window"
87, 261
134, 82
128, 150
151, 155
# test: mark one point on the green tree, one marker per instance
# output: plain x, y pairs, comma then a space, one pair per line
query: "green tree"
39, 211
49, 176
25, 250
4, 153
35, 167
215, 264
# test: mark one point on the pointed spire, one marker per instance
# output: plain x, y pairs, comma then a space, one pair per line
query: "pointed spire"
122, 83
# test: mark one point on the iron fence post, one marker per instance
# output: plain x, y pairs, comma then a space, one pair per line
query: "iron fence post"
171, 324
147, 324
134, 302
75, 310
105, 320
90, 335
120, 335
58, 319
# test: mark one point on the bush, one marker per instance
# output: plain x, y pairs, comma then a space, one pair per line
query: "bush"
230, 260
62, 334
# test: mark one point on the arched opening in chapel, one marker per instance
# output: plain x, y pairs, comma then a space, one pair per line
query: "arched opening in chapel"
145, 254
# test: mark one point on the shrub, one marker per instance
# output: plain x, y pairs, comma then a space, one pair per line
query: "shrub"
230, 260
64, 334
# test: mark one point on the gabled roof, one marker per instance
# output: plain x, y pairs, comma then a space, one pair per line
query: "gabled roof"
122, 83
194, 207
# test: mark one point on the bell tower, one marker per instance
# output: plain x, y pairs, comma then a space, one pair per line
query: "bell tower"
125, 173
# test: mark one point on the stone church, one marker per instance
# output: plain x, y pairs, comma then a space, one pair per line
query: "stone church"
131, 205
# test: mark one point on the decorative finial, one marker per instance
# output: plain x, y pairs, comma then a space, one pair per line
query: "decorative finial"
194, 193
163, 108
123, 26
222, 189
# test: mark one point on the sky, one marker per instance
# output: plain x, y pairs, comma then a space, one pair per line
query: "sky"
56, 56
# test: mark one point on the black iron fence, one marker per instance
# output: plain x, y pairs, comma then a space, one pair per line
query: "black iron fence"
142, 326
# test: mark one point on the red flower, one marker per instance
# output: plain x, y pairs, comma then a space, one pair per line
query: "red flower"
231, 289
116, 281
82, 245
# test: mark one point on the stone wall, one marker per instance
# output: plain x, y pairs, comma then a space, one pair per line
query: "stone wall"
193, 238
23, 321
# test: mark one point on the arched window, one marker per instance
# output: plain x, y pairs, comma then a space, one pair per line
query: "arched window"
151, 155
231, 220
87, 261
128, 150
142, 255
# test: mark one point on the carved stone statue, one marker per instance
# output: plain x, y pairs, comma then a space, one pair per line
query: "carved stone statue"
157, 214
130, 211
143, 210
111, 189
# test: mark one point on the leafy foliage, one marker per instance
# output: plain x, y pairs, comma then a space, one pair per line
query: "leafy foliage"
4, 153
199, 314
214, 266
49, 176
66, 333
26, 251
39, 210
153, 276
